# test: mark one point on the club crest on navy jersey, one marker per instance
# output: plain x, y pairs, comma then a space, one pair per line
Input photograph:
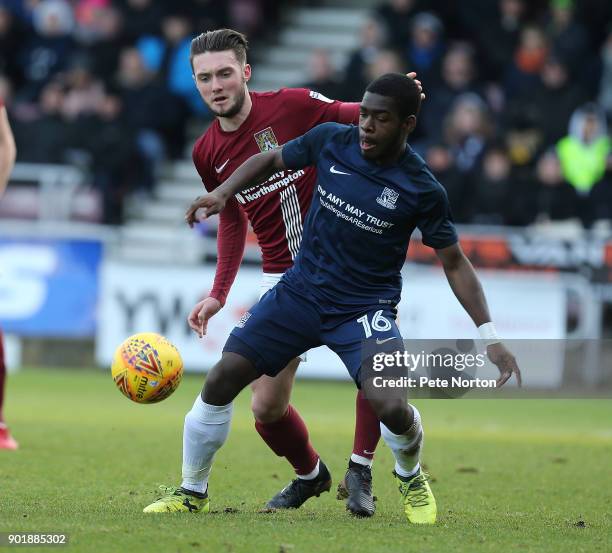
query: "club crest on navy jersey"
266, 140
387, 198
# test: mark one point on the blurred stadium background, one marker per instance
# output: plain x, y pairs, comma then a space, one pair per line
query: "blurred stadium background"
93, 246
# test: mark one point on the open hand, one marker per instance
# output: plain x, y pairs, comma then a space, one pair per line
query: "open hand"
506, 363
203, 310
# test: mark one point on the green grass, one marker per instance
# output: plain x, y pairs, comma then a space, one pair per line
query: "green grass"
509, 475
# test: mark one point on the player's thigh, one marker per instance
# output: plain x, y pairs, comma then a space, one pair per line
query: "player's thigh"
362, 335
271, 395
275, 331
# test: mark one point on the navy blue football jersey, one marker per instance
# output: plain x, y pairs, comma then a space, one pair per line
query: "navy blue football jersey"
362, 215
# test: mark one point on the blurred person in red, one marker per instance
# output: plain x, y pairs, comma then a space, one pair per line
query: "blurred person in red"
7, 161
247, 123
522, 75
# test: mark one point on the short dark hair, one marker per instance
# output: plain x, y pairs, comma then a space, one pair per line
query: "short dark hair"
402, 89
219, 40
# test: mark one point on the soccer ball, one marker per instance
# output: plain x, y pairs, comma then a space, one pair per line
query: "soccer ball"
147, 368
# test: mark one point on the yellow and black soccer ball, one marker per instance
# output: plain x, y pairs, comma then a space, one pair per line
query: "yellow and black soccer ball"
147, 368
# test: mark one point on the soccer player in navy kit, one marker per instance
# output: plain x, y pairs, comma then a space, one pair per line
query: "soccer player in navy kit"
372, 192
246, 123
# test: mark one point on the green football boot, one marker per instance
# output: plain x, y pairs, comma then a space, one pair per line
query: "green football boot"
419, 501
179, 500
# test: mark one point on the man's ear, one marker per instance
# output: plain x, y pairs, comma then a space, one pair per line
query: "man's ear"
410, 123
247, 72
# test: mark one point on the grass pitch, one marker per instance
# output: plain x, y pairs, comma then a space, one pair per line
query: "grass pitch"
509, 475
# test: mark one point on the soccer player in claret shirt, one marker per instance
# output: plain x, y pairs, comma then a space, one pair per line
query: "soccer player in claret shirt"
247, 123
372, 192
7, 161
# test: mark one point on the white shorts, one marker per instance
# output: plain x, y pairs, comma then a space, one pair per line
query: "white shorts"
270, 280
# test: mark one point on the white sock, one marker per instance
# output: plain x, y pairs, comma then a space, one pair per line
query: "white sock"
206, 429
360, 460
406, 447
312, 474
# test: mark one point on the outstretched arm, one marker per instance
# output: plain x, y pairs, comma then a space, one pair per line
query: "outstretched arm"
8, 151
254, 170
466, 287
464, 283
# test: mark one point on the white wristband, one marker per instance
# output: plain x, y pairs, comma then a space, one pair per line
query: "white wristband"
487, 332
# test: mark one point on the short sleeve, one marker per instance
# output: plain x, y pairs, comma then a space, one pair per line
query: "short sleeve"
435, 220
304, 150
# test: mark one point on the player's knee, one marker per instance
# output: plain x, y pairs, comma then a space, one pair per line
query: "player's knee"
395, 416
227, 378
267, 409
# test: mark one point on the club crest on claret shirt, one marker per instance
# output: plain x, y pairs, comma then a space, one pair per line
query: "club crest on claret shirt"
266, 140
387, 198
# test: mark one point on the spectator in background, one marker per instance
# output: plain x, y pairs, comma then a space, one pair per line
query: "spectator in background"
83, 93
246, 15
556, 199
104, 42
523, 135
207, 14
552, 101
529, 58
585, 157
115, 162
12, 36
141, 18
498, 39
490, 195
442, 163
569, 39
149, 109
425, 47
50, 48
372, 40
323, 76
386, 61
44, 136
168, 56
397, 16
458, 77
467, 131
605, 86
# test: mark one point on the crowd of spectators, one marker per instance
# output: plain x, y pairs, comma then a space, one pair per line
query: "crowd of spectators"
515, 124
519, 98
107, 83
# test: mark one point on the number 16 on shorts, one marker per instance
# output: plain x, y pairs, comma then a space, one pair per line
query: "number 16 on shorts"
378, 323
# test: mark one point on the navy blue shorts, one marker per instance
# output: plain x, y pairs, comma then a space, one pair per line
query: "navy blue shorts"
285, 324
